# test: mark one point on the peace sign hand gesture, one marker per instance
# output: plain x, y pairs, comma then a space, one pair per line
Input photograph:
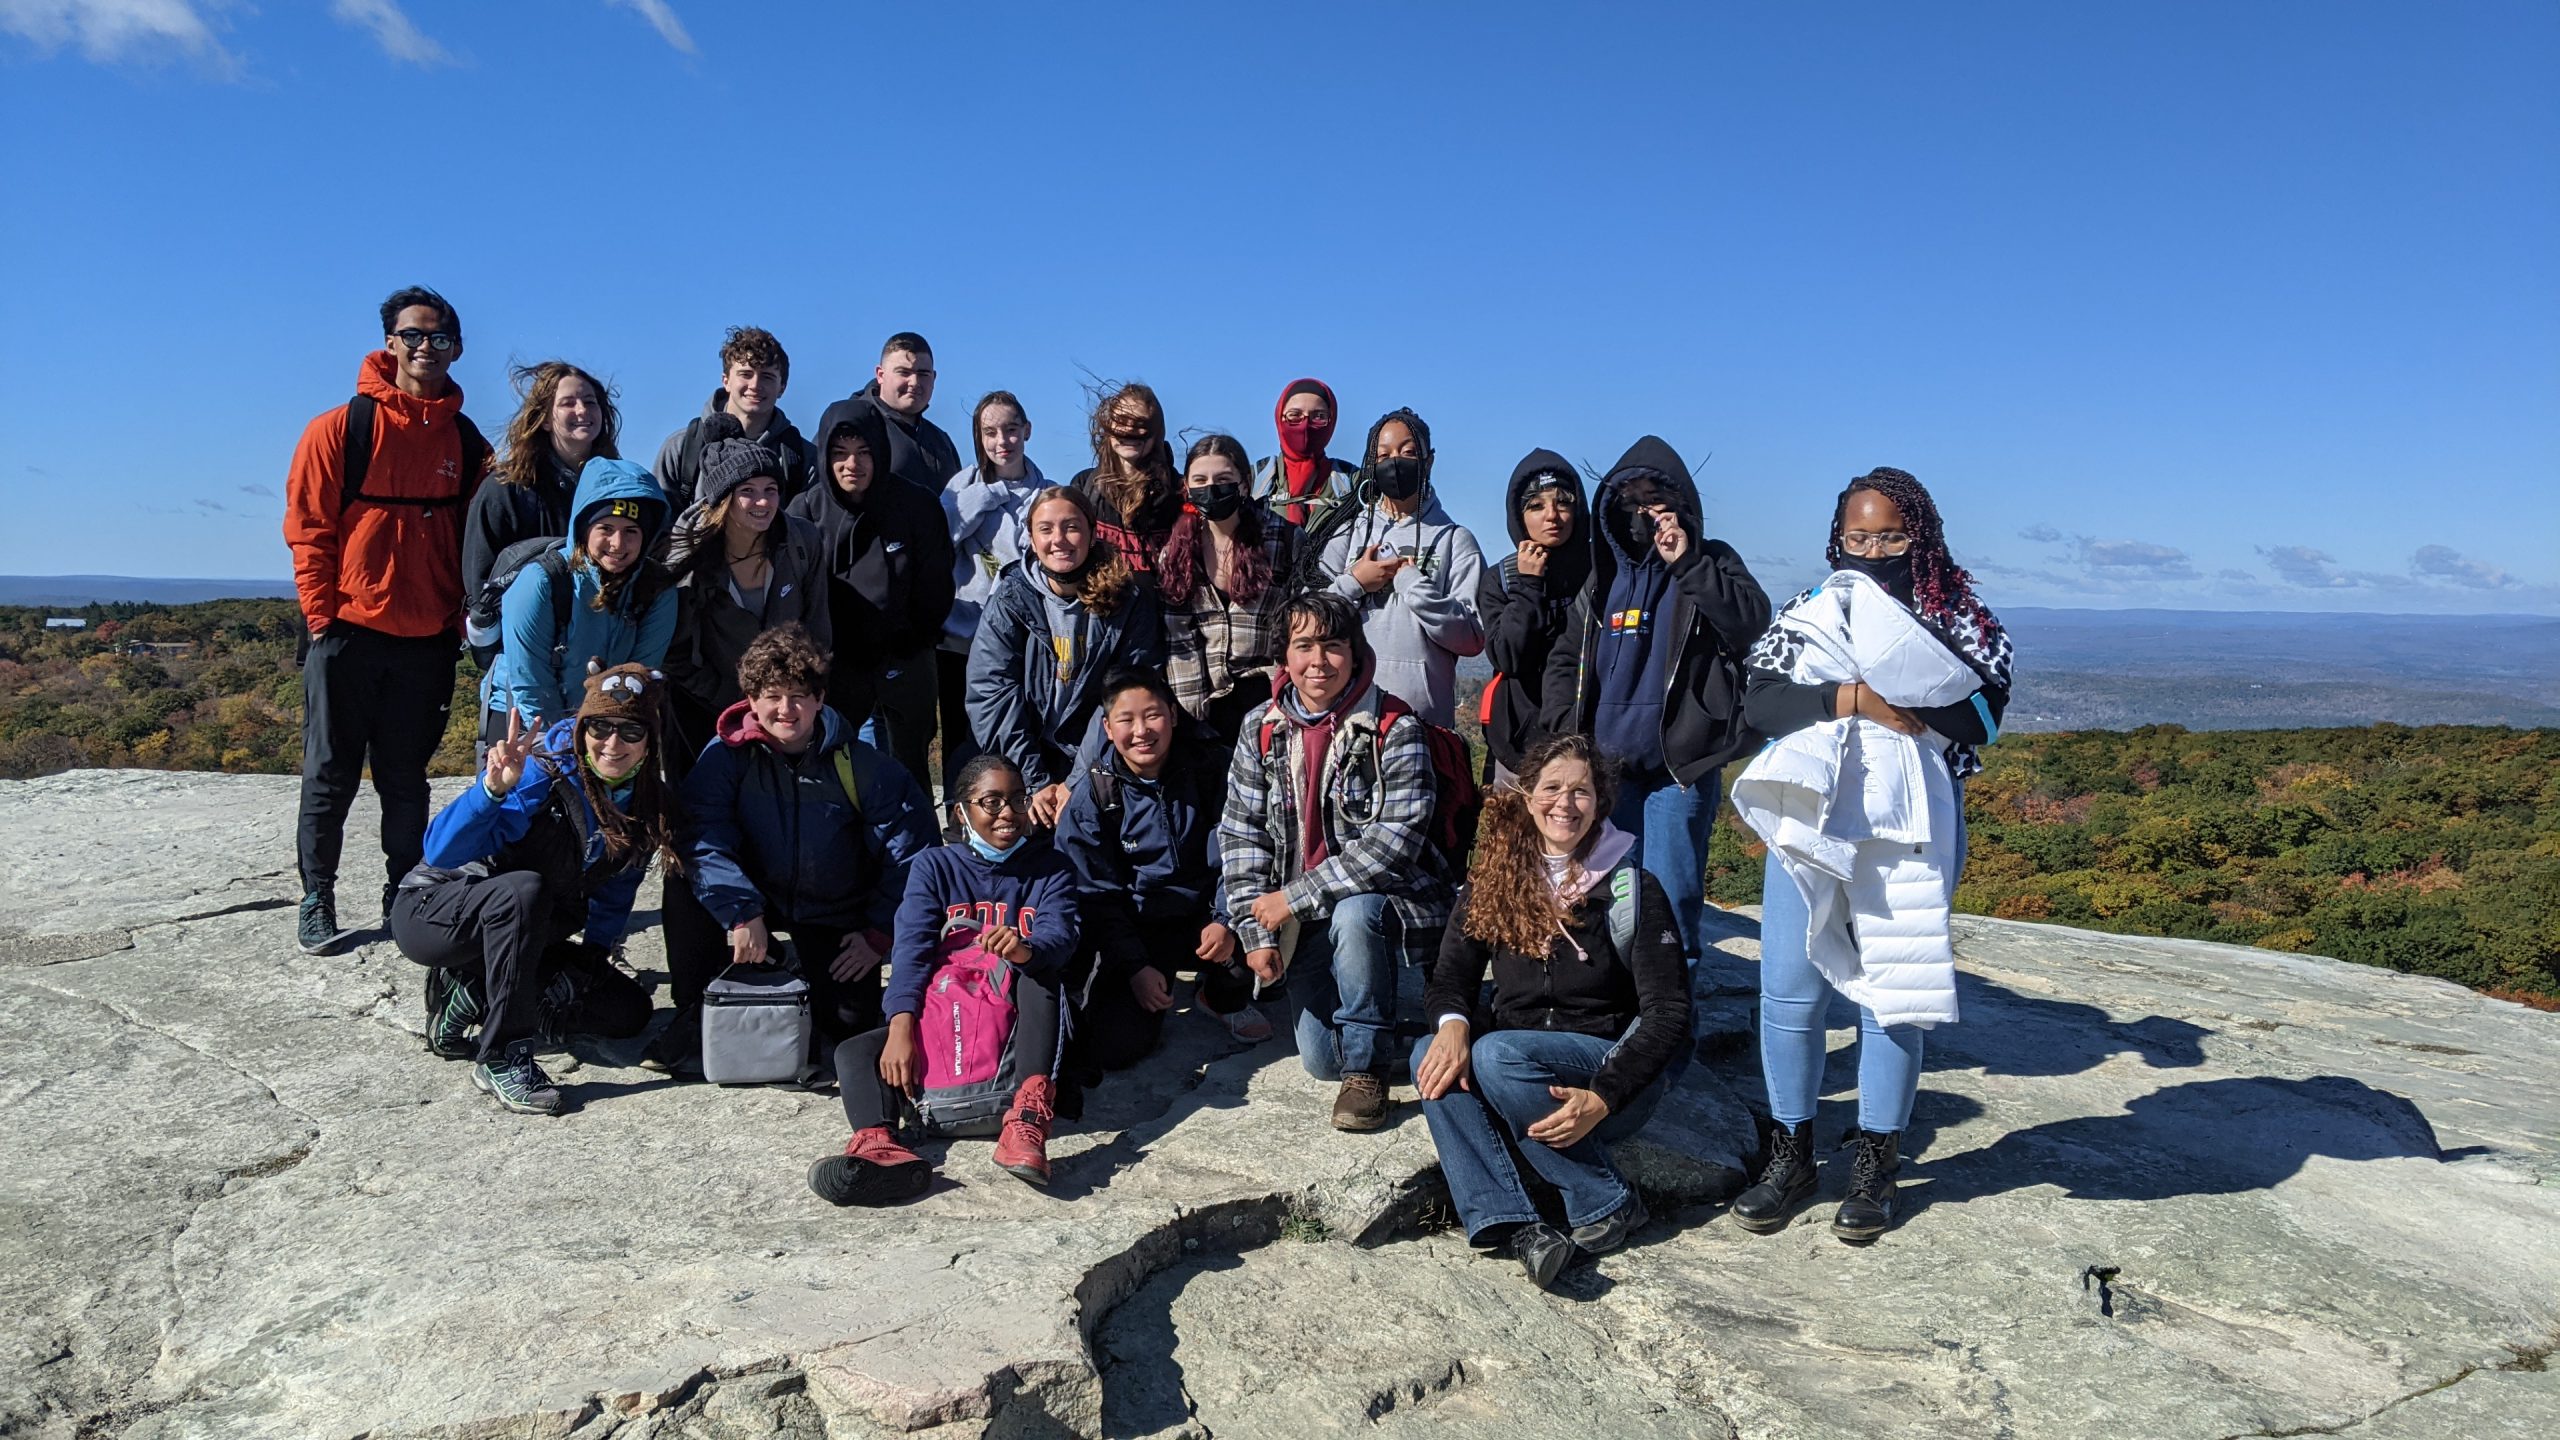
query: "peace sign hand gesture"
505, 765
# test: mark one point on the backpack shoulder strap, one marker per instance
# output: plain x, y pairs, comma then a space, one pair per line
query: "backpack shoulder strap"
359, 450
689, 463
475, 451
1106, 789
563, 589
844, 777
1622, 912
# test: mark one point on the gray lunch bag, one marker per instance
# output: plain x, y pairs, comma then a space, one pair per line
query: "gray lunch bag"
756, 1026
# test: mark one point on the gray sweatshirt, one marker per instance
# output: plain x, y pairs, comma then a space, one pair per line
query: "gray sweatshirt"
1425, 620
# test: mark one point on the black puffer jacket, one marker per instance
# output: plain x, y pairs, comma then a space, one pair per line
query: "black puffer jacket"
1523, 615
1582, 985
1717, 611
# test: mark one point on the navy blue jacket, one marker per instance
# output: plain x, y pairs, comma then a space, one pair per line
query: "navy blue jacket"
533, 829
1032, 890
1016, 706
775, 835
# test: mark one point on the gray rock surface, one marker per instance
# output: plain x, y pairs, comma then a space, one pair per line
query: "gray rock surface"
243, 1201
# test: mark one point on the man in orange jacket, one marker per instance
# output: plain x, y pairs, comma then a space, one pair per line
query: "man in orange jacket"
377, 560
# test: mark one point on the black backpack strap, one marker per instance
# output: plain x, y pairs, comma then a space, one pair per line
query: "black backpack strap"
563, 590
688, 465
359, 451
475, 453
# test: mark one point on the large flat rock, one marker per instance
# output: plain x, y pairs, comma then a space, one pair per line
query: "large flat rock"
245, 1202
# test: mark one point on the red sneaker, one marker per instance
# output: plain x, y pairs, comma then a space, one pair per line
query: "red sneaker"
873, 1170
1023, 1149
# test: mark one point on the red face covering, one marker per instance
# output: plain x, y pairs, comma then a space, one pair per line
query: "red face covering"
1302, 458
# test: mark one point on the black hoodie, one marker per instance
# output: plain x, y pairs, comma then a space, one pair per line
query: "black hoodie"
1524, 614
1717, 610
919, 452
888, 557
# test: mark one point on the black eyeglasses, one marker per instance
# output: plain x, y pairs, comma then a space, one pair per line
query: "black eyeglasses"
992, 806
629, 732
436, 340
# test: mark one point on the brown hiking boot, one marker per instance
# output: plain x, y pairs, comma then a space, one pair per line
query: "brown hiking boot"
1361, 1103
1022, 1150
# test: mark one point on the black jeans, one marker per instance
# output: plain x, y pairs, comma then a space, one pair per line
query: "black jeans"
959, 743
370, 697
867, 1102
1111, 1030
500, 925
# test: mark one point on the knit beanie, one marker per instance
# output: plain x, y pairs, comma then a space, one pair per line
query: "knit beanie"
625, 692
729, 460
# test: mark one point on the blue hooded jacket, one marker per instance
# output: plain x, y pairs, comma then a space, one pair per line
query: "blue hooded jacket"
774, 835
523, 674
1017, 707
477, 827
1033, 890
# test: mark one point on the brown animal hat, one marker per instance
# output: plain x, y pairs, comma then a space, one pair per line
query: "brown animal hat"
625, 692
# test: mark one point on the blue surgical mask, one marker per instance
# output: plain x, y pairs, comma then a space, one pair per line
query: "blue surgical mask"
988, 852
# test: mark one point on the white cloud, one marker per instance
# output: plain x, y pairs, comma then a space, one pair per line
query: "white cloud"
106, 31
2161, 562
2443, 562
2042, 535
662, 18
399, 37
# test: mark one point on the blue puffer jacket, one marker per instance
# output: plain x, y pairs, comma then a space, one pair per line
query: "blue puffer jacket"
523, 675
774, 835
503, 835
1017, 708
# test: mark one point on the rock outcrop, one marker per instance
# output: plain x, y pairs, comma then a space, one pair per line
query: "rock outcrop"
2158, 1189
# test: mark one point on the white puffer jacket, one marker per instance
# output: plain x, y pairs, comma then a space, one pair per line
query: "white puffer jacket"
1862, 819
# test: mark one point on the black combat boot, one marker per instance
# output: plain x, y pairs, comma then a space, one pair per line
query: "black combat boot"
1868, 1211
1786, 1181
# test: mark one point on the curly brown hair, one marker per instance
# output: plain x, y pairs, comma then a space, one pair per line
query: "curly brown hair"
754, 345
783, 658
1104, 579
528, 437
1510, 901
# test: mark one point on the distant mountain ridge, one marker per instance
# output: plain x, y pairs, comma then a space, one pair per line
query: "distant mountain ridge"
113, 589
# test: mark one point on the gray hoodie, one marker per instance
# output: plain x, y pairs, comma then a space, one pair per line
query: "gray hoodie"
986, 518
1425, 620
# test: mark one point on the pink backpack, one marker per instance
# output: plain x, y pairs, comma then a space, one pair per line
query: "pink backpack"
966, 1029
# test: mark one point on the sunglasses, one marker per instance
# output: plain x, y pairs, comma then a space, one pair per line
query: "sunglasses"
436, 340
629, 732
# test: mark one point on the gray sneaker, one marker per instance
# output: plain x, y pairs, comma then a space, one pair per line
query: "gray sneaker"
1611, 1231
316, 928
517, 1083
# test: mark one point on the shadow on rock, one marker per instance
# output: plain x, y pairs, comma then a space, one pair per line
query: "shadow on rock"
2206, 1137
2006, 1032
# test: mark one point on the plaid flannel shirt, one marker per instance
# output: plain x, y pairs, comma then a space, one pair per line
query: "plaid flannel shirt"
1377, 815
1218, 642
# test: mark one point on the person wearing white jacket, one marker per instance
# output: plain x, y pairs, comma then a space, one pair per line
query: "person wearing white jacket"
1875, 688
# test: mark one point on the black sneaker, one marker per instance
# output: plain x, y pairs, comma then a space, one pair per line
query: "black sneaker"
317, 928
1541, 1251
453, 1007
1611, 1231
390, 892
676, 1049
1868, 1212
517, 1083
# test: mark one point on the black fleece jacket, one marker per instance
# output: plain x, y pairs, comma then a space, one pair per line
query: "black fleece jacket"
889, 556
1581, 985
919, 452
1717, 611
1524, 615
503, 514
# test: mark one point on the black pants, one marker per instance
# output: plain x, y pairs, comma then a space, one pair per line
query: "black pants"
867, 1102
697, 948
500, 925
837, 1008
370, 697
1111, 1030
959, 742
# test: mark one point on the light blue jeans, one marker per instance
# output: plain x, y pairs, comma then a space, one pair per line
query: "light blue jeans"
1671, 824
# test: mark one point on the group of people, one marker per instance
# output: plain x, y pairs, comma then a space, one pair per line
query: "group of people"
1195, 714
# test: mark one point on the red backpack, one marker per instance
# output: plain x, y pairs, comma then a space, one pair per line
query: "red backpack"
1456, 801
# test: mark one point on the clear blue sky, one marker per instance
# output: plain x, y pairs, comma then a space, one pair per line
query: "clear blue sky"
2198, 305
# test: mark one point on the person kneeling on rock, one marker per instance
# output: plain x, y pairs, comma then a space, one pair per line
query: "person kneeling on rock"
1589, 1006
551, 842
1006, 887
1140, 828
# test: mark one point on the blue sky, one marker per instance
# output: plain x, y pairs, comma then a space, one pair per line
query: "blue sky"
2205, 305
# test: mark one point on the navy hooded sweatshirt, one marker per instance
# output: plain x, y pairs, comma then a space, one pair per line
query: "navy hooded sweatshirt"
1033, 890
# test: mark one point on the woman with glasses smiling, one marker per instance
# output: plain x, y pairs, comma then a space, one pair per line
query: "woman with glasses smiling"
526, 889
1885, 529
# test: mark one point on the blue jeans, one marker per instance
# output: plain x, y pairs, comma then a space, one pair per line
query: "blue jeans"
1793, 998
1479, 1131
1671, 824
1343, 981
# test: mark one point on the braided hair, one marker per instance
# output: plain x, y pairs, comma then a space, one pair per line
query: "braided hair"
1941, 590
1421, 436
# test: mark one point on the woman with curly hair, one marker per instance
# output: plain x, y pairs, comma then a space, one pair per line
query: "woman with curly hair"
1589, 1006
1135, 491
567, 419
1059, 622
1879, 934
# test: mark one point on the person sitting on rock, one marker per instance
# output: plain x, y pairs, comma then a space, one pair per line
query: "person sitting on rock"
526, 889
1573, 1047
1009, 881
1140, 828
1886, 530
1323, 847
794, 825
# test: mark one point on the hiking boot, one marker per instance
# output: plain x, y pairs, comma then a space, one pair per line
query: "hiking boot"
1249, 1025
1541, 1252
1361, 1103
390, 892
1022, 1150
453, 1007
317, 928
1611, 1231
1868, 1211
1786, 1181
873, 1170
517, 1083
677, 1049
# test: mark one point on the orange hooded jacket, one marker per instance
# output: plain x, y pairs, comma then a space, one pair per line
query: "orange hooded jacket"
396, 568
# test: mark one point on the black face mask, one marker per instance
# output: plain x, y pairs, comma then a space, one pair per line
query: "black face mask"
1398, 477
1893, 572
1217, 501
